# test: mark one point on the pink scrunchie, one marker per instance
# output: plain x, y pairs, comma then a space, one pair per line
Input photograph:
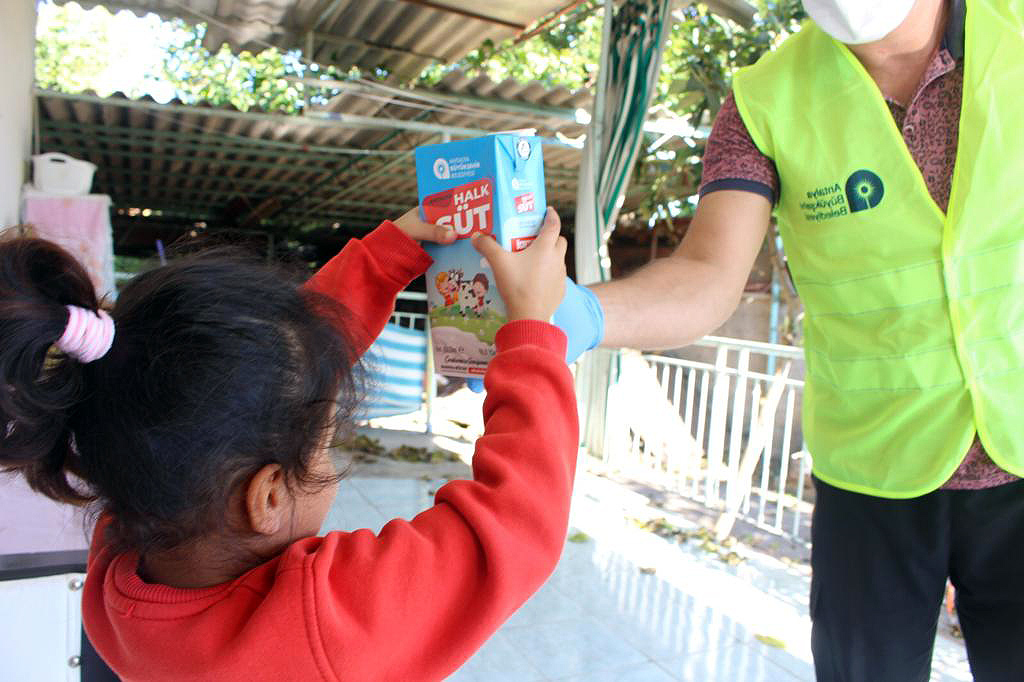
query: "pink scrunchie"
88, 336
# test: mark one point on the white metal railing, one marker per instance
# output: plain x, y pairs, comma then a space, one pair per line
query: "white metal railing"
724, 433
715, 432
411, 320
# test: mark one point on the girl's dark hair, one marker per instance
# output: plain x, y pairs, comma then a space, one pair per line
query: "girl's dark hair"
220, 365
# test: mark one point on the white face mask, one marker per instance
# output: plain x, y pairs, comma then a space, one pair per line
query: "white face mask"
855, 22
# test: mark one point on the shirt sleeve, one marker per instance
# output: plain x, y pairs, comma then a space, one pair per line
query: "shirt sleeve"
366, 277
417, 600
732, 160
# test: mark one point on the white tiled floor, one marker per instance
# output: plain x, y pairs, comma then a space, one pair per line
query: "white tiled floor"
601, 619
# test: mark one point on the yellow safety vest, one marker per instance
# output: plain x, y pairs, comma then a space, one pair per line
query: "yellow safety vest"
914, 323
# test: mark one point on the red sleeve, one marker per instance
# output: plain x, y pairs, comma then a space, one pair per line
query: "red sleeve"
416, 601
732, 160
367, 275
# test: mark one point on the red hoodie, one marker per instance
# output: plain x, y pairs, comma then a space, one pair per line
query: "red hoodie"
413, 602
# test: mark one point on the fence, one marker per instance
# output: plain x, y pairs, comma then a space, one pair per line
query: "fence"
724, 433
412, 320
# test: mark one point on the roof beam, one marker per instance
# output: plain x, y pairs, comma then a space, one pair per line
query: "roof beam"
468, 14
326, 39
227, 140
309, 191
673, 126
312, 120
484, 104
110, 176
135, 137
546, 23
294, 35
321, 17
191, 208
210, 212
353, 186
413, 126
196, 160
186, 194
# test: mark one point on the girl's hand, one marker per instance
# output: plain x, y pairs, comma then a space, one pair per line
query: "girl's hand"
411, 225
531, 282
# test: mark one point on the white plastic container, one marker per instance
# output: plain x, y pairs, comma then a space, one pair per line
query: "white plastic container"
57, 173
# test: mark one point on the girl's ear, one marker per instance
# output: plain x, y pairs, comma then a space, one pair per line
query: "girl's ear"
267, 500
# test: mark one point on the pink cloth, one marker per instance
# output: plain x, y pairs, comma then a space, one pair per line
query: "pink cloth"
82, 226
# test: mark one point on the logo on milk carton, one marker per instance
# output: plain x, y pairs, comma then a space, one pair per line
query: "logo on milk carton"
524, 148
442, 171
525, 203
467, 208
520, 243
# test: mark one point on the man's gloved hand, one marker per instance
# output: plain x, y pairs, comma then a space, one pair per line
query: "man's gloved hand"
580, 316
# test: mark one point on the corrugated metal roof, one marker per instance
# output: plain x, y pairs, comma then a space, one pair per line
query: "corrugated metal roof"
349, 163
403, 36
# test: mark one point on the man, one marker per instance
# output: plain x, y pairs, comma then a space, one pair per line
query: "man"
894, 163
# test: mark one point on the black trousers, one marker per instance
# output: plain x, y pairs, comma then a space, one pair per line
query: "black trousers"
879, 575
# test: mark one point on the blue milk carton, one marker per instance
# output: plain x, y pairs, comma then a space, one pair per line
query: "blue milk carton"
494, 185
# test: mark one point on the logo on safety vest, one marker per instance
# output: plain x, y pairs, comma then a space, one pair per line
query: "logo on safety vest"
864, 190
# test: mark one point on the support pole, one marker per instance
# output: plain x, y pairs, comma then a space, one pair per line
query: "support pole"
309, 54
17, 54
593, 374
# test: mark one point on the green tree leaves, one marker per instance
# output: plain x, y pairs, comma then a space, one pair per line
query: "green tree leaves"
244, 81
79, 50
703, 52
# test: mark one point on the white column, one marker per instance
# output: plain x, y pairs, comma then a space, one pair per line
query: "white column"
17, 52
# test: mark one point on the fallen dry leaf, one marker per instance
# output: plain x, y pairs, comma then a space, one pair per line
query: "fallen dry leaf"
771, 641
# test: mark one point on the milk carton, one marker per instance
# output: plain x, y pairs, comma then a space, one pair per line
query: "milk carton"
494, 185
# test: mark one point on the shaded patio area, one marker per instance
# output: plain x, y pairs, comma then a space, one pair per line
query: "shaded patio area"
623, 604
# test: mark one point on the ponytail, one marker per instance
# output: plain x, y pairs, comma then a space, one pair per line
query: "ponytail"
39, 386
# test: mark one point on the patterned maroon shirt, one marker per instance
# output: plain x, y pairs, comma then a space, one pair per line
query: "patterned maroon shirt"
930, 125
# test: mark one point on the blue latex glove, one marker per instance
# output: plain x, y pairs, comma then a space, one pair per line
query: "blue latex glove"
580, 316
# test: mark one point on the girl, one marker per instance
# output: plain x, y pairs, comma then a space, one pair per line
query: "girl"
480, 287
197, 417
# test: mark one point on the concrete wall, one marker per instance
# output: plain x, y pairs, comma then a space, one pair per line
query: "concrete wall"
17, 49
